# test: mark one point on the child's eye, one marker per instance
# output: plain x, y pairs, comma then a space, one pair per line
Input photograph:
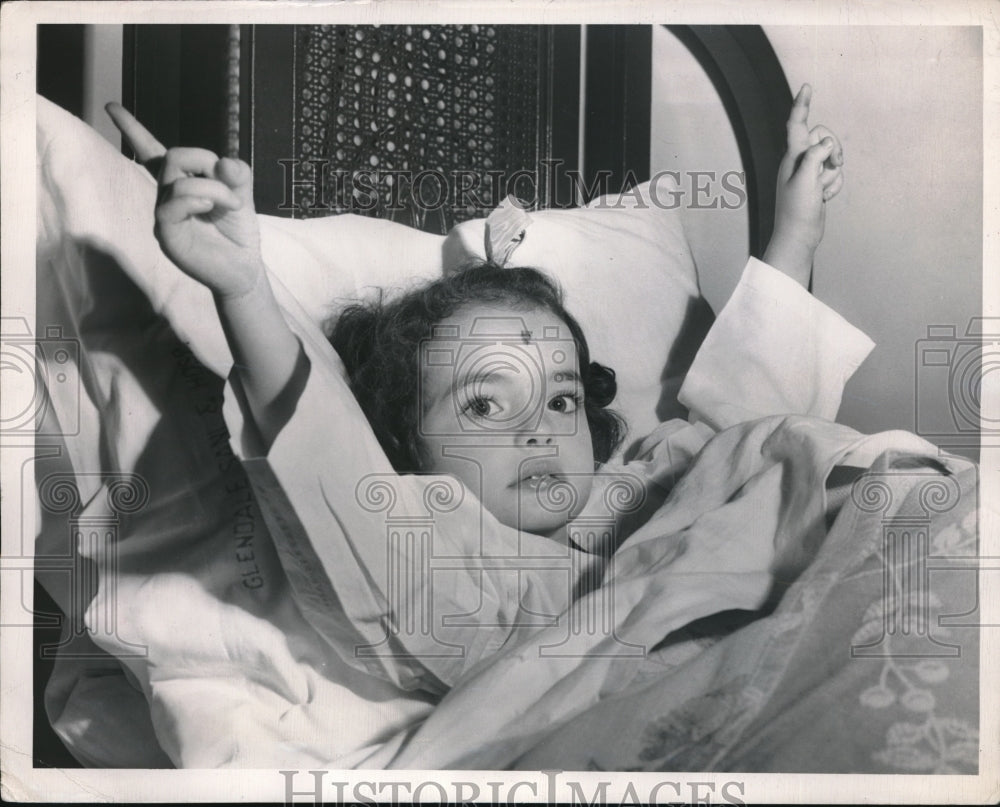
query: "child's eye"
481, 407
566, 403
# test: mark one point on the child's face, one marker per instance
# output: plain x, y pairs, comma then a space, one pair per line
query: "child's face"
502, 411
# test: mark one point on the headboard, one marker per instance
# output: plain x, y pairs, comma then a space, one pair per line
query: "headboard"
473, 102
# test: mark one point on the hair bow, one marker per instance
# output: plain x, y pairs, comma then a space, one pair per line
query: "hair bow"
505, 229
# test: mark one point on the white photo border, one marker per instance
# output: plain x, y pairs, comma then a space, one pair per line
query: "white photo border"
21, 781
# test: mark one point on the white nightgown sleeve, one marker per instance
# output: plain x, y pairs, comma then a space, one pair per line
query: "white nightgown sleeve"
407, 576
774, 349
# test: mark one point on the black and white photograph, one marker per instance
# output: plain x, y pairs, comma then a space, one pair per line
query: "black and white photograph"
500, 402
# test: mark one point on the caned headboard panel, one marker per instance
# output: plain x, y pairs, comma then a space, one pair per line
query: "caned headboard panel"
327, 114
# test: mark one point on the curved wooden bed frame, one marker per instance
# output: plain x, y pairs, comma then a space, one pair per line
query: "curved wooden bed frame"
748, 77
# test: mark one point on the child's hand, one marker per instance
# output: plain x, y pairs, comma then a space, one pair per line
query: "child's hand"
205, 219
810, 174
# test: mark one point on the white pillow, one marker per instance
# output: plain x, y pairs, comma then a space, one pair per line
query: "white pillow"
628, 276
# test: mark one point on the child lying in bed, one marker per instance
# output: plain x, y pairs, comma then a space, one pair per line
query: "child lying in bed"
523, 431
428, 415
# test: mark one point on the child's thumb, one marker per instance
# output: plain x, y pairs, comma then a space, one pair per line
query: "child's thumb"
816, 155
237, 175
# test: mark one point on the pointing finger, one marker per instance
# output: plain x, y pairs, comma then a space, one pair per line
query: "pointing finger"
146, 147
797, 127
798, 131
800, 107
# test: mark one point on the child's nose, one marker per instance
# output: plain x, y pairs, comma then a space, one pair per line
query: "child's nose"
535, 440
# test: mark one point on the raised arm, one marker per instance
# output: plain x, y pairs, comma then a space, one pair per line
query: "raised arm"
206, 225
810, 174
774, 349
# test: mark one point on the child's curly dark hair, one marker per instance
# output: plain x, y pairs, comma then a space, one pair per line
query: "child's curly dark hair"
379, 343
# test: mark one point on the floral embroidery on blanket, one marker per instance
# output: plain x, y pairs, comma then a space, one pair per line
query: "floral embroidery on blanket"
935, 745
707, 723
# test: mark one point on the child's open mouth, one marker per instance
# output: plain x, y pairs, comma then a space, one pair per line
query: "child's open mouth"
538, 480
